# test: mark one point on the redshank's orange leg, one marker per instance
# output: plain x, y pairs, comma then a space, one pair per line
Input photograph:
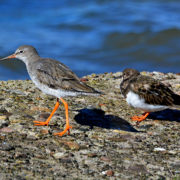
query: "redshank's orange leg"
68, 127
40, 123
140, 118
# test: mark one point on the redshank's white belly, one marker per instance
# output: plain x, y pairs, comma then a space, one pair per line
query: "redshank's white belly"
54, 92
47, 90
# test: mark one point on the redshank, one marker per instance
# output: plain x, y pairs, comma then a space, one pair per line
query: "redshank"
146, 93
54, 78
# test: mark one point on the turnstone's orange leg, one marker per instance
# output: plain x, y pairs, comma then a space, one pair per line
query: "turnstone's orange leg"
140, 118
40, 123
68, 127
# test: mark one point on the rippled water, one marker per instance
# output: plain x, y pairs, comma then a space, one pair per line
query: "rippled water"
92, 36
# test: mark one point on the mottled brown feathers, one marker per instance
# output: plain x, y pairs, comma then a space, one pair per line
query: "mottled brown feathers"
151, 90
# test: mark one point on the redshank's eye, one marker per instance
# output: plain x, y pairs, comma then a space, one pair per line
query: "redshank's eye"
21, 51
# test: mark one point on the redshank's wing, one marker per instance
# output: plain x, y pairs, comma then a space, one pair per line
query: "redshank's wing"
153, 91
56, 75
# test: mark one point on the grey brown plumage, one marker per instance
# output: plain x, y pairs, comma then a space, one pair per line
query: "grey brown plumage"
52, 73
56, 75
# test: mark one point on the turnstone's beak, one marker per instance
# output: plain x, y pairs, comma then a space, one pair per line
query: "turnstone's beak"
9, 57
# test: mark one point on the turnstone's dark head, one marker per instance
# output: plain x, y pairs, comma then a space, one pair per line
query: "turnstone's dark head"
128, 73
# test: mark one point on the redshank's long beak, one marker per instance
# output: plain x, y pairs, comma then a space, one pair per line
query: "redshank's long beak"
9, 57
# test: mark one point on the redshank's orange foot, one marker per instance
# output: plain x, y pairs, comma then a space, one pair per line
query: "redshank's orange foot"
63, 132
40, 123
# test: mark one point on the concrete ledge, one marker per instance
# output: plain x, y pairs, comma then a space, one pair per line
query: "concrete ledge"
104, 142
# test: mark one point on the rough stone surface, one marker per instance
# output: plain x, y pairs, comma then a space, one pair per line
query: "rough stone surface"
104, 143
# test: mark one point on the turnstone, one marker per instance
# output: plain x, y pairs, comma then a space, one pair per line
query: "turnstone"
146, 93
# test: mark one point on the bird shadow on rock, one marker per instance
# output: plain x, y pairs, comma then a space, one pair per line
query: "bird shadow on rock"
166, 115
97, 117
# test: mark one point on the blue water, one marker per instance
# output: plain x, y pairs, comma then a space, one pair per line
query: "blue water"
92, 36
